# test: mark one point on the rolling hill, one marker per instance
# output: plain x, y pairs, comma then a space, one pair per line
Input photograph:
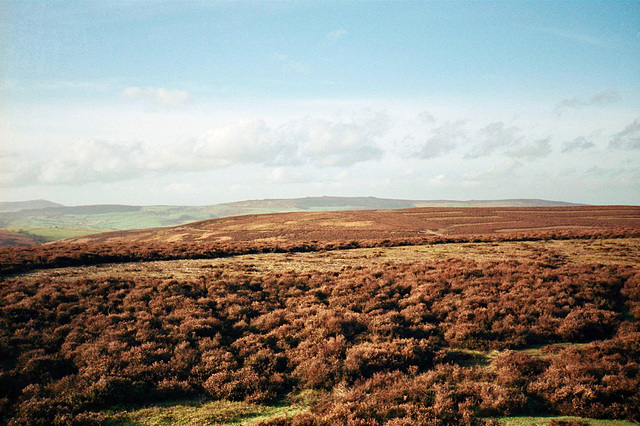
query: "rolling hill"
11, 239
381, 224
46, 221
15, 206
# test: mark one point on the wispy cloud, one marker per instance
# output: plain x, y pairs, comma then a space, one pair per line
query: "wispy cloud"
291, 64
532, 151
495, 137
603, 98
493, 173
160, 96
336, 34
628, 138
578, 144
570, 35
444, 139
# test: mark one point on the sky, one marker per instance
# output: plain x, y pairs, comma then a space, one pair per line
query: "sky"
197, 103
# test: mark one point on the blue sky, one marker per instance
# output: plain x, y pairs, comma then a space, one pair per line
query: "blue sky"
202, 102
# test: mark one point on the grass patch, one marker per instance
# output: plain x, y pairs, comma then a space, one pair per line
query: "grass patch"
469, 357
201, 413
545, 420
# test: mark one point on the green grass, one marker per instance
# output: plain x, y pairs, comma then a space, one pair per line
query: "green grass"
544, 420
201, 413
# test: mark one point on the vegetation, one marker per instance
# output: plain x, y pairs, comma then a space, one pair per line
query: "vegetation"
45, 235
457, 330
560, 421
43, 215
12, 239
201, 412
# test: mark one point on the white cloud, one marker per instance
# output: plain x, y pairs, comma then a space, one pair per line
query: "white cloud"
578, 144
312, 141
628, 138
15, 169
537, 149
240, 142
426, 117
307, 141
436, 180
495, 137
325, 143
296, 147
93, 160
336, 34
160, 96
444, 139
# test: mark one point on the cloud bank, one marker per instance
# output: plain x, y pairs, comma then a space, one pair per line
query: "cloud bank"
307, 141
359, 148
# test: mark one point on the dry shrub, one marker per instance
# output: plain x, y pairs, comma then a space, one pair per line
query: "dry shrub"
369, 335
588, 323
556, 422
600, 380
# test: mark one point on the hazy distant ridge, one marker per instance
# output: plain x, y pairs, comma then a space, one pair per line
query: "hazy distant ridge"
14, 206
373, 203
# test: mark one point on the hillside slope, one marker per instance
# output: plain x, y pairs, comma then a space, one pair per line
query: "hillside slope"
12, 239
112, 217
381, 224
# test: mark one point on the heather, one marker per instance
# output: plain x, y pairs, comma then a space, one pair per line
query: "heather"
452, 333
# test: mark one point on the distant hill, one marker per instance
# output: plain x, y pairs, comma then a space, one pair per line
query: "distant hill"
15, 206
37, 218
373, 203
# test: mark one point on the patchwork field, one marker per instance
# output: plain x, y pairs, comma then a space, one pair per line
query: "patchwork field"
421, 316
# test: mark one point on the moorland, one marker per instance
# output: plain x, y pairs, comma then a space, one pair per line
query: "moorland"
434, 316
39, 221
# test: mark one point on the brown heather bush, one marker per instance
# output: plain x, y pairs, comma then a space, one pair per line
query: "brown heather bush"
378, 343
599, 380
556, 422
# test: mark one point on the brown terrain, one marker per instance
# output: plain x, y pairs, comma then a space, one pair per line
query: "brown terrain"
424, 316
11, 239
384, 224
